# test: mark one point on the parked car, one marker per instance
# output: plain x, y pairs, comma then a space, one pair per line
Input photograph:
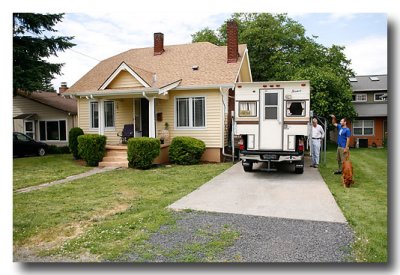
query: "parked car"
24, 145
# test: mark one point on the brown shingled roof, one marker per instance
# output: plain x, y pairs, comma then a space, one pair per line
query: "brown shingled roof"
53, 100
174, 64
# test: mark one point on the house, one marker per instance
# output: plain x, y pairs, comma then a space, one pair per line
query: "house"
369, 129
186, 87
45, 116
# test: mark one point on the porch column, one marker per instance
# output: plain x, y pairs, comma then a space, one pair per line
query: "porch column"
152, 121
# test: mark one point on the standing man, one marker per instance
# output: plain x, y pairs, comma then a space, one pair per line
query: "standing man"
343, 141
317, 135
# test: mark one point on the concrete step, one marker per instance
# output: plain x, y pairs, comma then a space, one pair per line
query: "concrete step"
116, 153
114, 164
117, 147
115, 158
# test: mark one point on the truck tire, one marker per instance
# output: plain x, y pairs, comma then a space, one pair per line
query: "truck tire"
247, 166
299, 170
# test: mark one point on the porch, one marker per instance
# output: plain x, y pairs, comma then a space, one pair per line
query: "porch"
117, 156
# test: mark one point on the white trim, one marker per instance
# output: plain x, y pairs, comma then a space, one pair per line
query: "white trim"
33, 128
109, 129
164, 90
90, 115
380, 100
123, 67
190, 127
240, 67
51, 120
366, 98
363, 127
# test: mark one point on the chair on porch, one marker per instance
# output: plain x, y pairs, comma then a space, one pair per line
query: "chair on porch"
127, 132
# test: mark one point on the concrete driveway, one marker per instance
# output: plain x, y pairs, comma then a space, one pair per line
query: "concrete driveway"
279, 194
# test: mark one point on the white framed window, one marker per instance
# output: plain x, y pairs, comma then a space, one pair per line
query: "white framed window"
53, 130
190, 112
109, 114
29, 128
363, 127
360, 98
380, 96
94, 114
296, 108
247, 108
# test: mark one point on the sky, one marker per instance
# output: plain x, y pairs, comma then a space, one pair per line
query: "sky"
101, 35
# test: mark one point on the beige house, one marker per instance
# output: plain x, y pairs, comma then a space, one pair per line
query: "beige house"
44, 116
184, 86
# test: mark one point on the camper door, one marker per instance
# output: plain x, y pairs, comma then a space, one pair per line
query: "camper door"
271, 119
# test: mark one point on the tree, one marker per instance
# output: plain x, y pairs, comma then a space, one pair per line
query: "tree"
31, 47
206, 35
280, 50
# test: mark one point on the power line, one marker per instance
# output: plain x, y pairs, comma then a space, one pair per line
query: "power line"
84, 55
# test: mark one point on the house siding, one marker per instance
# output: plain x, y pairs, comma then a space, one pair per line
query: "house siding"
22, 105
124, 80
211, 134
124, 110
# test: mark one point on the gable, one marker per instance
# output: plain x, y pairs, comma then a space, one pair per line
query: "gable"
124, 80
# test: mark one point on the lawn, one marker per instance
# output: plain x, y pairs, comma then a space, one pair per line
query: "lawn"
365, 203
103, 216
30, 171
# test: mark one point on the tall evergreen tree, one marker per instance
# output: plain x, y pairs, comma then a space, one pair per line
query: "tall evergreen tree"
279, 50
33, 42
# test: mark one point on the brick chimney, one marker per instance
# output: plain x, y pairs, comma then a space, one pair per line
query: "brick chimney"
158, 43
233, 41
62, 88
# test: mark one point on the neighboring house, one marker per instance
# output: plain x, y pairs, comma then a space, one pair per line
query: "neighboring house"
45, 116
186, 86
369, 129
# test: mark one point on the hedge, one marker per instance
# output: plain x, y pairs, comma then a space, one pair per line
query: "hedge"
142, 152
92, 148
53, 149
73, 135
186, 150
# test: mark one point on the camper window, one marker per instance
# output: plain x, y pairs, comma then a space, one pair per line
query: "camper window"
247, 109
295, 108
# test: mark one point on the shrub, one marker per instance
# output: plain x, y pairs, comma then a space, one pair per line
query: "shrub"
186, 150
92, 148
74, 133
53, 149
142, 151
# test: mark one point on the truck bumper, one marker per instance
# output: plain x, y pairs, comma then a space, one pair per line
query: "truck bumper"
272, 157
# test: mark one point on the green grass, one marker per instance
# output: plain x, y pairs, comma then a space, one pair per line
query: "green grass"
104, 215
365, 203
32, 171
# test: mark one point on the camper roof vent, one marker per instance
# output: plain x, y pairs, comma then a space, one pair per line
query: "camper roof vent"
195, 67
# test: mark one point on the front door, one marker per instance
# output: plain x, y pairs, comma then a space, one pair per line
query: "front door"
29, 128
144, 112
271, 116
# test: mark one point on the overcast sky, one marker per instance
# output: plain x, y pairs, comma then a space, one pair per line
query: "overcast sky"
101, 35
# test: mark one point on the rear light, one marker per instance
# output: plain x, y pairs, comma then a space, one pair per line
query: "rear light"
241, 145
300, 147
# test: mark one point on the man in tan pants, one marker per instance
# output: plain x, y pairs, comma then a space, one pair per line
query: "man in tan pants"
343, 141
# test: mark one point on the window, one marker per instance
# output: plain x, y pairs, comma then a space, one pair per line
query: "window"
359, 97
190, 112
247, 109
109, 114
271, 106
53, 130
94, 115
295, 108
363, 128
380, 97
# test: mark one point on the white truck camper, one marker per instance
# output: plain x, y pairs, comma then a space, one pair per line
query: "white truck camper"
272, 122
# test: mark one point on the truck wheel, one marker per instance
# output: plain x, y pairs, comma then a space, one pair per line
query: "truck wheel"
247, 166
299, 170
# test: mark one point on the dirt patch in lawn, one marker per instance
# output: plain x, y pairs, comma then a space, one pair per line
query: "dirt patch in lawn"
58, 235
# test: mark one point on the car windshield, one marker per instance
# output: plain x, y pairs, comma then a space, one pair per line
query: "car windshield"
22, 137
